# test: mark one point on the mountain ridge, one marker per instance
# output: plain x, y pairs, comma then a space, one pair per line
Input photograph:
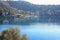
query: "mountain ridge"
26, 6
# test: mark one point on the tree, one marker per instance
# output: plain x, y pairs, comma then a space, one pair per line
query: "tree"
24, 37
11, 34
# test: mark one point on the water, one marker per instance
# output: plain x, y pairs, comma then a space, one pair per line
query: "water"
37, 31
28, 21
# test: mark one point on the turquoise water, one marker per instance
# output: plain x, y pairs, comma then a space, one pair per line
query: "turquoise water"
37, 31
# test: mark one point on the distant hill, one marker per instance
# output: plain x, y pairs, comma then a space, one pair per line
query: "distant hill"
4, 4
32, 7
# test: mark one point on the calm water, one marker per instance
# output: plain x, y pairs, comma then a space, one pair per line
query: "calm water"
37, 31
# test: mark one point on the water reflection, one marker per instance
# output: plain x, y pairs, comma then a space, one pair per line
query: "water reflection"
12, 20
5, 21
28, 21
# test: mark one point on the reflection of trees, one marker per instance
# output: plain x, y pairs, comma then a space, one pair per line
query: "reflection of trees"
12, 34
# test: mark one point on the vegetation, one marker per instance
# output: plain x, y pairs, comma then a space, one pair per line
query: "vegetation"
12, 34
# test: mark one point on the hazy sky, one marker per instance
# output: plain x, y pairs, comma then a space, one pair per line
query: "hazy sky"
45, 2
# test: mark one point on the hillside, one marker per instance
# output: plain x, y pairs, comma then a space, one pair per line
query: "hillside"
32, 7
21, 12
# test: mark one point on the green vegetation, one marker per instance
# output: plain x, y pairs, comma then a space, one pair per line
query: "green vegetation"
12, 34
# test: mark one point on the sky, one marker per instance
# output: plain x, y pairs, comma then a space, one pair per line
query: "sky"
46, 2
40, 2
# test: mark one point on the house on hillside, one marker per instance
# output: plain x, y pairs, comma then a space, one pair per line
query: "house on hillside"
5, 13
